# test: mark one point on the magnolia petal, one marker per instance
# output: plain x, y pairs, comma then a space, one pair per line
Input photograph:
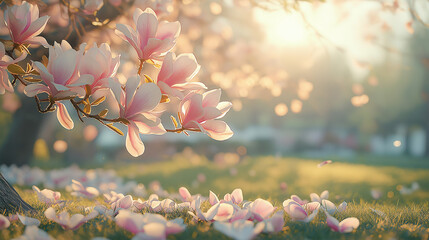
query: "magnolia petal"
237, 196
348, 224
64, 117
28, 221
213, 199
218, 130
333, 223
185, 194
133, 142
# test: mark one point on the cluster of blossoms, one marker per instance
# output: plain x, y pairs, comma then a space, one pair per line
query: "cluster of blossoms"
88, 76
232, 215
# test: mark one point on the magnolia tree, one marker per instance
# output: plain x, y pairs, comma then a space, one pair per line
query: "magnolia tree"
86, 77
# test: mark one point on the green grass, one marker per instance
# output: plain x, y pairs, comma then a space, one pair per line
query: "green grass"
346, 180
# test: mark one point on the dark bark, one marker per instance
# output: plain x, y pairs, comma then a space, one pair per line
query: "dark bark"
10, 201
18, 146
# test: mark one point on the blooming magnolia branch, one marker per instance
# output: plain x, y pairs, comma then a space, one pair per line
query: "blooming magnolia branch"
88, 76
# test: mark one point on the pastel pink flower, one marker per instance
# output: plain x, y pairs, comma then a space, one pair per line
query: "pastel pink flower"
149, 224
299, 212
69, 222
202, 111
61, 78
25, 25
81, 191
345, 226
152, 39
61, 74
47, 196
136, 104
5, 60
176, 73
99, 64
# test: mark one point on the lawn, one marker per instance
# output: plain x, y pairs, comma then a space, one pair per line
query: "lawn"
406, 216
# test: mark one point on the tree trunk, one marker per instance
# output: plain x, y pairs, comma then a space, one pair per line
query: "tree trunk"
10, 201
18, 146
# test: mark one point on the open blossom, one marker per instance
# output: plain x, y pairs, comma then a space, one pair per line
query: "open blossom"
5, 61
149, 225
175, 74
345, 226
61, 78
302, 213
80, 190
24, 24
202, 111
47, 196
67, 222
99, 64
136, 103
151, 39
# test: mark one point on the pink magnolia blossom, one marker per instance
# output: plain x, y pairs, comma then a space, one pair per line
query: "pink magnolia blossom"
61, 78
47, 196
136, 104
261, 209
240, 230
345, 226
24, 24
299, 212
99, 64
69, 222
80, 190
125, 202
149, 224
152, 39
4, 222
202, 111
176, 73
5, 61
